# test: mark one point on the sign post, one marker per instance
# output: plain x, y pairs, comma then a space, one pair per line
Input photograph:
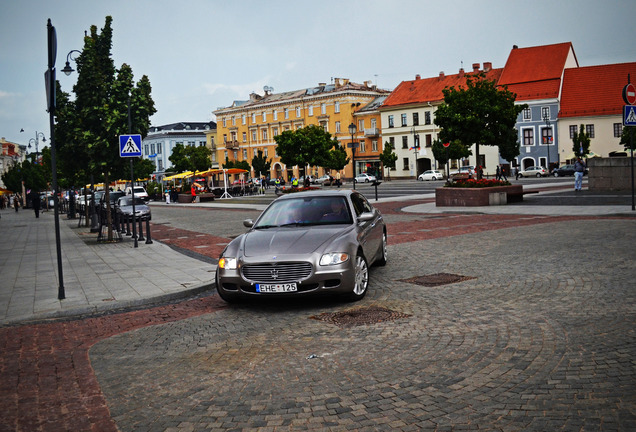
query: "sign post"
130, 146
629, 119
446, 145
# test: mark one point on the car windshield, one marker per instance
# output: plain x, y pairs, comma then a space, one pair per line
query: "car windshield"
139, 190
127, 201
306, 211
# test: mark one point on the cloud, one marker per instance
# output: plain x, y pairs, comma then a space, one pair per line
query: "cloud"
239, 90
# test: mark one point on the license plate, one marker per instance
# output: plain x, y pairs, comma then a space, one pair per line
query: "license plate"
276, 288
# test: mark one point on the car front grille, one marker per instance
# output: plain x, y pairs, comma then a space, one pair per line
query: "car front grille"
278, 272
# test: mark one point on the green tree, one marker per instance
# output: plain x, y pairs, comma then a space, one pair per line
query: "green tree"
308, 146
455, 150
337, 159
628, 138
190, 158
104, 96
581, 143
260, 164
479, 114
388, 158
143, 168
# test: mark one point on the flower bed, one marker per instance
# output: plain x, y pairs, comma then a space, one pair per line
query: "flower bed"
477, 193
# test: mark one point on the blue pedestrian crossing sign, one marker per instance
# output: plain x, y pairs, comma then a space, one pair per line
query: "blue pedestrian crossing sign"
629, 115
129, 145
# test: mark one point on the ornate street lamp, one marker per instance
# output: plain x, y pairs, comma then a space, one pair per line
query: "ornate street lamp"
68, 69
352, 130
36, 141
547, 137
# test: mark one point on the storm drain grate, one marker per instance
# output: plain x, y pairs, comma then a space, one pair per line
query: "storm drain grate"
360, 316
437, 279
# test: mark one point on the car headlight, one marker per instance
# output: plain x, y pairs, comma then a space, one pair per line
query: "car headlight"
333, 258
228, 263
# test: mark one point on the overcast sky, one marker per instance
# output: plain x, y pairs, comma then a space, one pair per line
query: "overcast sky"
203, 54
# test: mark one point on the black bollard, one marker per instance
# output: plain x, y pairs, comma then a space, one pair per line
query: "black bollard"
148, 238
141, 231
128, 233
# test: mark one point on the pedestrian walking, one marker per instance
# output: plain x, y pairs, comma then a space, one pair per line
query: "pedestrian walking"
16, 202
516, 173
167, 195
193, 192
579, 169
502, 175
338, 179
498, 173
35, 202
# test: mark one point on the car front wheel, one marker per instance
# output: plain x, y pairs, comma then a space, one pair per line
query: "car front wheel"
361, 281
538, 175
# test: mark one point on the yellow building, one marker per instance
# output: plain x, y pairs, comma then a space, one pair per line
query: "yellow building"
246, 127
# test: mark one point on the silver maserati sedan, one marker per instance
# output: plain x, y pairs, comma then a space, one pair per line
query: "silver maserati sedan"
305, 243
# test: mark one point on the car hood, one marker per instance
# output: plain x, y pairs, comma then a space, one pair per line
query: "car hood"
290, 240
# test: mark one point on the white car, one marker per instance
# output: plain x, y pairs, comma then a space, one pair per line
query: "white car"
140, 192
430, 175
364, 178
325, 179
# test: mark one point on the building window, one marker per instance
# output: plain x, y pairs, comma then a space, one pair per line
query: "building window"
429, 140
391, 121
264, 116
404, 119
546, 135
374, 145
244, 136
224, 138
361, 125
244, 154
336, 107
416, 119
286, 113
392, 141
427, 117
374, 123
527, 114
545, 113
152, 148
233, 137
416, 141
572, 131
265, 152
618, 130
264, 134
254, 135
160, 165
405, 163
405, 142
310, 110
243, 119
362, 147
297, 111
589, 130
233, 121
146, 149
323, 109
528, 137
274, 131
275, 115
253, 118
337, 127
212, 141
224, 122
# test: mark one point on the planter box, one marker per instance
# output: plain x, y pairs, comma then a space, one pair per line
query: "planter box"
477, 197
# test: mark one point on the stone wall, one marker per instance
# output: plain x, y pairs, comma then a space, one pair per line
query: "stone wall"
610, 174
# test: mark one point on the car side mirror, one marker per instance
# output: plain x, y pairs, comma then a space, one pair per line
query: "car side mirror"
248, 223
365, 217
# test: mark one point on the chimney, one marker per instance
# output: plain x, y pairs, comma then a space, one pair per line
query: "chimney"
417, 77
322, 84
475, 67
515, 47
461, 73
441, 75
487, 66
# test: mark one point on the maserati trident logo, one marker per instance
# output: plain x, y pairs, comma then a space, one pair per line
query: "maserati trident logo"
274, 274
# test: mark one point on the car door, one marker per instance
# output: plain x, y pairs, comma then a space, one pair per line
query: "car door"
370, 232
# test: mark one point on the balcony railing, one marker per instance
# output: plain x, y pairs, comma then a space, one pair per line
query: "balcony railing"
232, 144
371, 132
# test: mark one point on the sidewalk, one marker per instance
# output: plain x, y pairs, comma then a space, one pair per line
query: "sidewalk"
99, 278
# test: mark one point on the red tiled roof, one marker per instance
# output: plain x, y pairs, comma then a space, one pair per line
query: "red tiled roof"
430, 89
536, 90
595, 90
535, 63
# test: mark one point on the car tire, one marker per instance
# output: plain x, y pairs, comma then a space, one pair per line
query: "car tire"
538, 175
361, 278
384, 257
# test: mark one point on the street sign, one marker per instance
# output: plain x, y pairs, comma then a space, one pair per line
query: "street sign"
446, 144
629, 94
129, 145
353, 145
629, 115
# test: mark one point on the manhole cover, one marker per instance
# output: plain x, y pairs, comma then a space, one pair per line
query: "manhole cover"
437, 279
361, 316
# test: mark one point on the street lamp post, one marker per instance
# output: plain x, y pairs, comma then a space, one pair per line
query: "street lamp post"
416, 147
36, 141
352, 130
546, 118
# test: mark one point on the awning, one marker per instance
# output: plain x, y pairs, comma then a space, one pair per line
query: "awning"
179, 176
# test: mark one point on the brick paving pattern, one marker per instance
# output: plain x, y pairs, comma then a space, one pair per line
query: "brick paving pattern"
542, 338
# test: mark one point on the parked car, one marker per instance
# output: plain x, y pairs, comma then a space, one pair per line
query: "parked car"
113, 197
431, 175
533, 171
124, 206
320, 241
139, 192
325, 180
468, 169
364, 177
566, 170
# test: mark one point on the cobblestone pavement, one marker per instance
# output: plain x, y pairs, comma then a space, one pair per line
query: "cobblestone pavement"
541, 337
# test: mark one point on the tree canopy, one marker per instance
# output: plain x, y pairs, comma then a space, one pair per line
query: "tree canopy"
581, 143
309, 146
480, 114
189, 158
260, 164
